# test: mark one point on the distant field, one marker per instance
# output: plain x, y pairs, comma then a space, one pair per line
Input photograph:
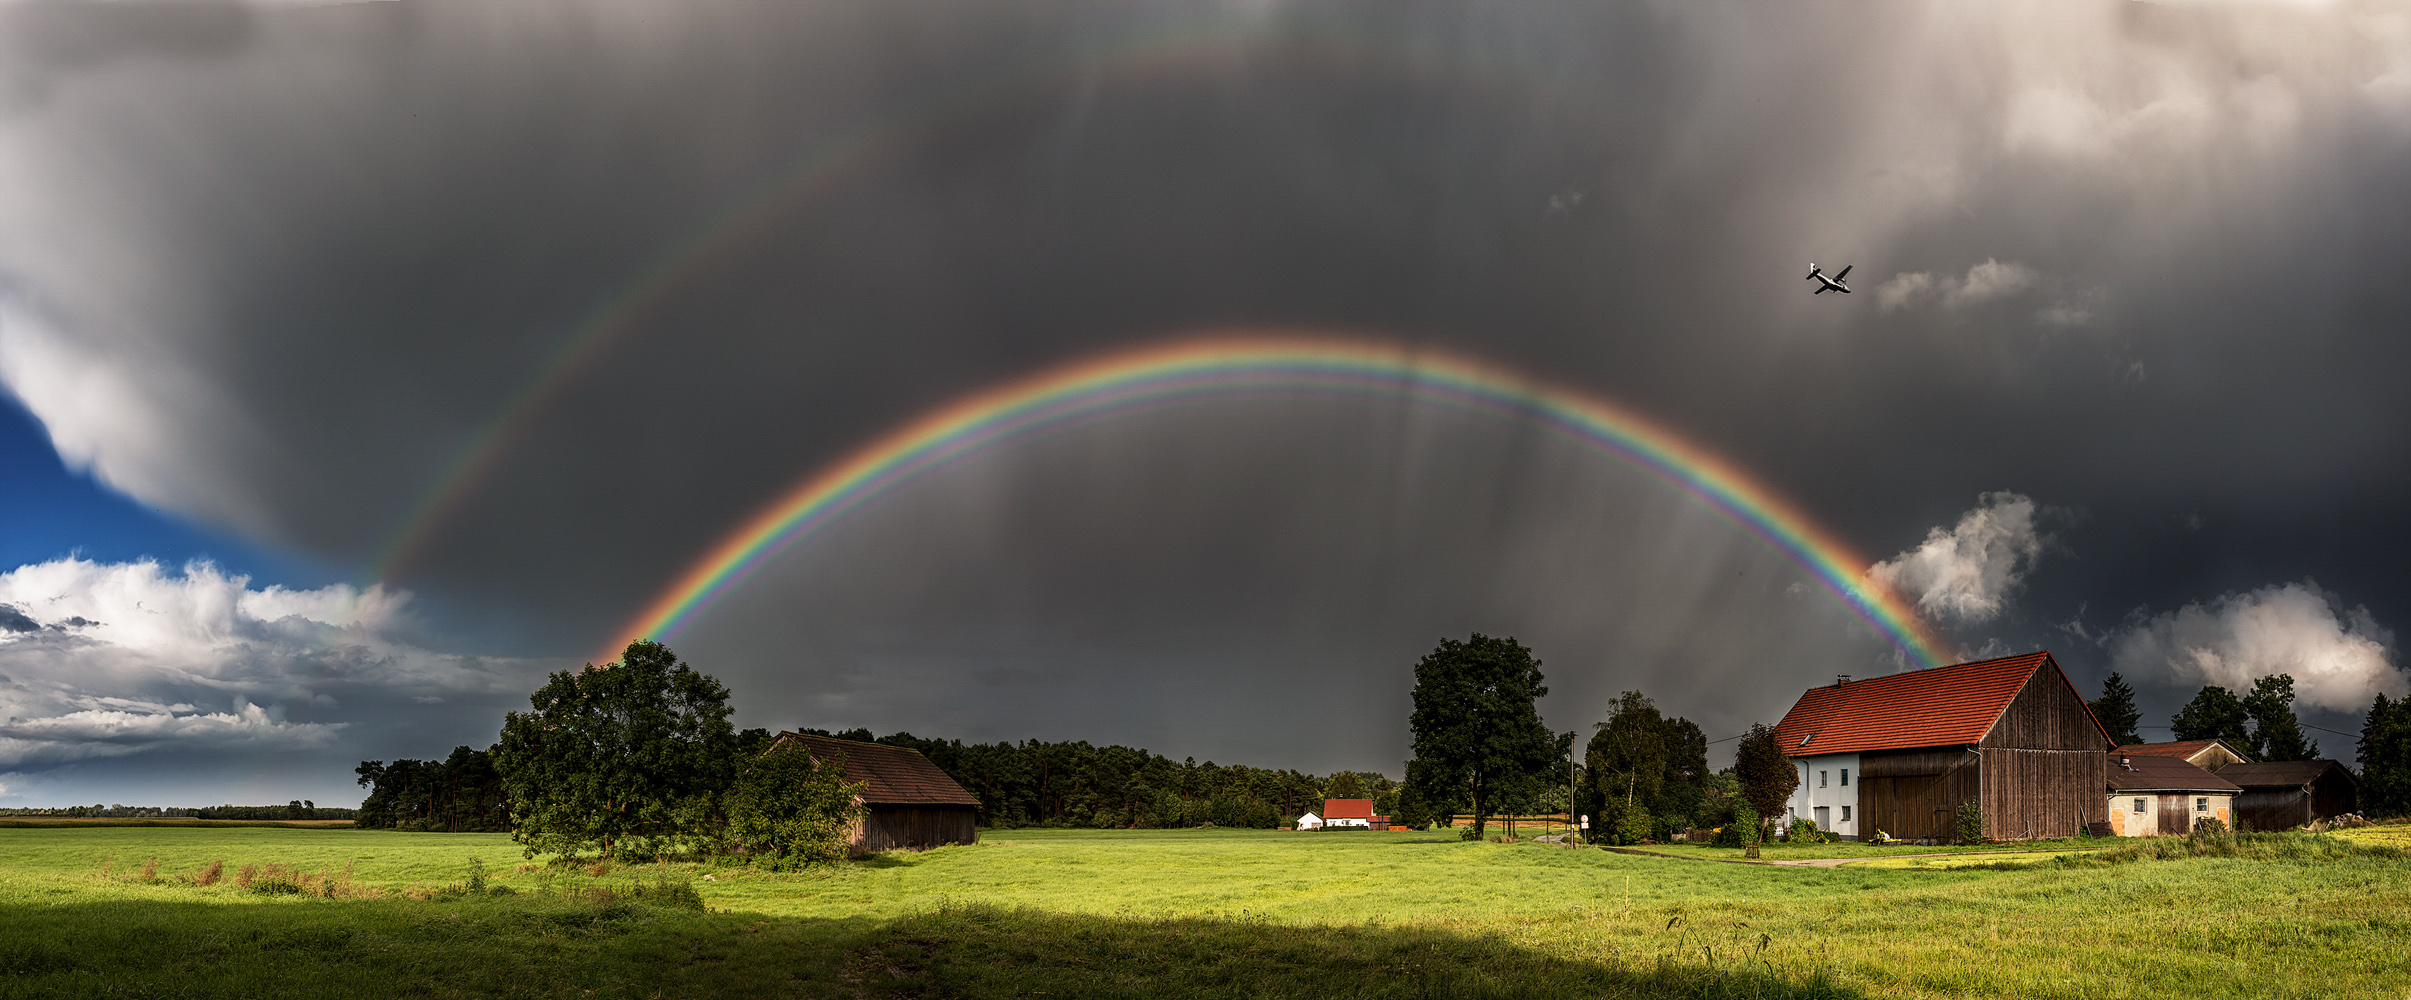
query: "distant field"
7, 822
1180, 913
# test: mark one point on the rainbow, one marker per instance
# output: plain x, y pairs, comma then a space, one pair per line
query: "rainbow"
1220, 365
824, 167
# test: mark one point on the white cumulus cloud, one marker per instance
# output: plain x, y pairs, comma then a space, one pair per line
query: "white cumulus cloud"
1968, 571
2340, 658
116, 659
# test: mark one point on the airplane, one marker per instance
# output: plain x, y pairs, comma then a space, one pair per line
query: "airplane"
1832, 284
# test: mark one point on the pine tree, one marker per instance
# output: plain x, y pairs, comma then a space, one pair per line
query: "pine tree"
2384, 751
2116, 710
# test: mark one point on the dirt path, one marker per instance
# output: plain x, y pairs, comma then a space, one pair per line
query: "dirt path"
1822, 862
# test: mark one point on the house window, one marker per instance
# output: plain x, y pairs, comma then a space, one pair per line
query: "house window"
1845, 776
2201, 805
1820, 779
2140, 807
1845, 809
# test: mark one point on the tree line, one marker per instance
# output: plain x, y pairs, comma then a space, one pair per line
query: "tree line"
2260, 724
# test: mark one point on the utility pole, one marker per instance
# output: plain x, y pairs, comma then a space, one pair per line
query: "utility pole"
1569, 787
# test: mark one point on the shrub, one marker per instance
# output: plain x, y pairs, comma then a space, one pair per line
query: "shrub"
1804, 831
789, 810
1729, 835
2208, 826
1468, 833
1971, 823
209, 875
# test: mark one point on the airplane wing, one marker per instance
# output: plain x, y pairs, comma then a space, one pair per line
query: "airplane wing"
1845, 272
1820, 290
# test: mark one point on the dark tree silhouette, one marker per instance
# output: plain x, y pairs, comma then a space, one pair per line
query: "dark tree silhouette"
1478, 739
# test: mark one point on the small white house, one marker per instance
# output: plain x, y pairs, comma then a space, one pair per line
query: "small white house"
1827, 793
1310, 821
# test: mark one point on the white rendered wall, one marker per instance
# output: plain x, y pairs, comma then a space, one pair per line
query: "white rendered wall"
1822, 784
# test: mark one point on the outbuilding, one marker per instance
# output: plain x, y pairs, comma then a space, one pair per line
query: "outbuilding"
1310, 821
907, 803
1905, 753
2282, 795
2209, 755
2151, 795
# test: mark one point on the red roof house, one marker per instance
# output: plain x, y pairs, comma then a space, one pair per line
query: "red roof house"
1356, 813
1903, 753
2209, 755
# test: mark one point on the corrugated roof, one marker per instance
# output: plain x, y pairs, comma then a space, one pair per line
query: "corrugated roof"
1348, 809
2147, 773
894, 776
1944, 706
2278, 774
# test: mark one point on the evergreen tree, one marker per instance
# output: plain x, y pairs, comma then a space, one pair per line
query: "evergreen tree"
2116, 710
2384, 752
2276, 734
2214, 714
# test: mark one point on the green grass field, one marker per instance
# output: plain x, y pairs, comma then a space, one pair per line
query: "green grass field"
1211, 913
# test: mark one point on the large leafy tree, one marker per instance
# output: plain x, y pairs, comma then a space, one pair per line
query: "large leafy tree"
1627, 757
2276, 734
2214, 714
2116, 710
1766, 773
1478, 737
790, 809
629, 756
2384, 751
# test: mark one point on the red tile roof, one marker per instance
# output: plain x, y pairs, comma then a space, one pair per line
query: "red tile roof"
2146, 773
1944, 706
1348, 809
895, 776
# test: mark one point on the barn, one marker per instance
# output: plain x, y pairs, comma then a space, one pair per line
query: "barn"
907, 803
1902, 753
2282, 795
2151, 795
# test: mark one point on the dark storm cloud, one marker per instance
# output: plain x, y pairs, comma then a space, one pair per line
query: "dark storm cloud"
2132, 260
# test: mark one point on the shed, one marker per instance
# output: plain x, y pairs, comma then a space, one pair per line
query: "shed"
2209, 755
2282, 795
907, 803
1903, 753
2152, 795
1310, 821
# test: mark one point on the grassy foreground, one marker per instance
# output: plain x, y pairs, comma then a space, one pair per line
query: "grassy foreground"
1212, 913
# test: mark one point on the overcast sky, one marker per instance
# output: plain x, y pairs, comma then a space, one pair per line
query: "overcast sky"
2122, 375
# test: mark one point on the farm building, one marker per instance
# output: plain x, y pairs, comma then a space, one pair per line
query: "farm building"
1310, 821
2153, 795
1351, 814
2209, 755
1902, 753
907, 803
2282, 795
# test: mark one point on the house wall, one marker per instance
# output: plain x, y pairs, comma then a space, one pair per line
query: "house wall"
2126, 822
1830, 782
914, 828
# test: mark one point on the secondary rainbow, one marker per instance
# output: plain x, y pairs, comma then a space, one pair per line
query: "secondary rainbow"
1228, 365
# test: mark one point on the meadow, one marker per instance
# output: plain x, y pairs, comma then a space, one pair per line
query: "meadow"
1233, 913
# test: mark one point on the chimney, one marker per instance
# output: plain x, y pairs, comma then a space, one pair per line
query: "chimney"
1840, 679
2125, 763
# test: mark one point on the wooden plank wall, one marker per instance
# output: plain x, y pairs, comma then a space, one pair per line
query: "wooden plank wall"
2272, 808
1915, 794
2046, 764
916, 828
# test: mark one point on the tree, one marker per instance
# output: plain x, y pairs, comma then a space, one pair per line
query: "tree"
2276, 734
1766, 774
790, 810
1627, 761
1684, 794
1478, 739
2116, 710
629, 755
1346, 785
2384, 751
2214, 714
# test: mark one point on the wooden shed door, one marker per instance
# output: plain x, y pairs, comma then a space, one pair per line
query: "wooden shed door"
2176, 814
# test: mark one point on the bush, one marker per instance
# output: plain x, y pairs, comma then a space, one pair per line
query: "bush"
1730, 835
1467, 833
1971, 823
2208, 826
1804, 831
789, 810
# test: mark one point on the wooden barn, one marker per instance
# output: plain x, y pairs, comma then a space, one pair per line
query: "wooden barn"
907, 803
2282, 795
1902, 753
2152, 795
2209, 755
